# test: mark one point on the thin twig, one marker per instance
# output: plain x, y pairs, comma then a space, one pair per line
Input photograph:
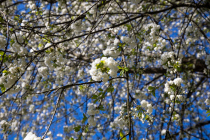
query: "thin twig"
56, 106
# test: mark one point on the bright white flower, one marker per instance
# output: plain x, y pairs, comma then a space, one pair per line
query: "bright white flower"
111, 51
163, 132
31, 108
181, 97
149, 108
103, 68
207, 101
91, 109
118, 122
3, 122
43, 71
178, 81
144, 103
31, 136
92, 121
116, 41
125, 39
177, 116
172, 97
14, 125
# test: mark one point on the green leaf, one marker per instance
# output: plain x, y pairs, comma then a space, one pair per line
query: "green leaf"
1, 53
86, 129
77, 128
101, 108
94, 97
40, 45
153, 93
110, 36
173, 87
119, 67
16, 18
103, 96
122, 135
100, 65
71, 139
140, 115
1, 19
208, 112
100, 89
148, 47
147, 117
151, 88
95, 101
2, 88
80, 137
84, 118
126, 69
6, 72
81, 87
129, 27
121, 45
110, 89
122, 72
100, 93
12, 42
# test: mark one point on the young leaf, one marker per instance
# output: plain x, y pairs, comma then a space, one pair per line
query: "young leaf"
77, 128
150, 88
100, 89
84, 118
122, 136
110, 89
94, 97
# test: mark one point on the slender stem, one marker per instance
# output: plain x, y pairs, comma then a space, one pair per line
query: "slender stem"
128, 107
56, 106
128, 95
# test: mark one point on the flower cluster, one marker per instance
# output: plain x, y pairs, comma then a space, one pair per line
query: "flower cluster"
103, 68
140, 95
121, 121
168, 61
92, 111
43, 71
207, 101
118, 122
167, 58
111, 51
10, 76
31, 5
177, 81
152, 31
3, 124
145, 104
171, 85
2, 42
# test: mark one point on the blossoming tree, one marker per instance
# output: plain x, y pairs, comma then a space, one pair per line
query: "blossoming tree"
104, 69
